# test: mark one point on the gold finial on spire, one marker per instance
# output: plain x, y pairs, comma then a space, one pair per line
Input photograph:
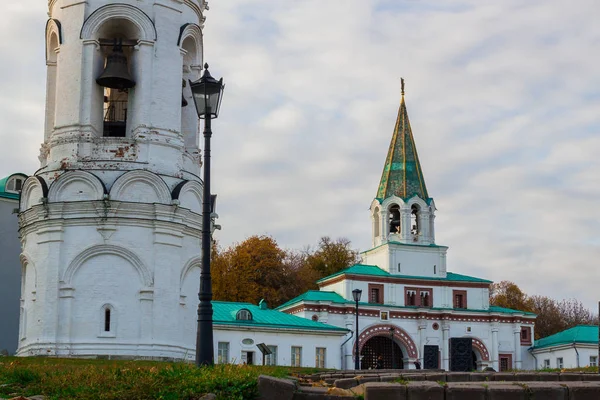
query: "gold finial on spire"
402, 84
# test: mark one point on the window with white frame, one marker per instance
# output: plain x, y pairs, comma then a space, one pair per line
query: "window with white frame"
223, 353
296, 356
14, 185
320, 357
559, 362
547, 363
271, 359
593, 361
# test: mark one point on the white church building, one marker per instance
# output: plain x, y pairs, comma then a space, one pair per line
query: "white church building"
411, 306
110, 224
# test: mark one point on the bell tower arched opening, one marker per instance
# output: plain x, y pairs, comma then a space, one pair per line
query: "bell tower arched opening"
395, 221
117, 38
415, 221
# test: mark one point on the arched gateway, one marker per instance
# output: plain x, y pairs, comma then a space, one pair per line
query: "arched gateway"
392, 343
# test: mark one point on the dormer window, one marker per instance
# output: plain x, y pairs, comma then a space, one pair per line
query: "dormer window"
243, 315
14, 185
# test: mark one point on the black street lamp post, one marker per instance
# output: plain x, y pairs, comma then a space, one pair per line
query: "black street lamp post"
393, 345
356, 295
207, 93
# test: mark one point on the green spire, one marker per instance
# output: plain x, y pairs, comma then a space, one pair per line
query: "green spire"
402, 174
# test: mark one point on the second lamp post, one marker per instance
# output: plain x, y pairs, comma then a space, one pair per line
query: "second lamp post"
207, 93
356, 295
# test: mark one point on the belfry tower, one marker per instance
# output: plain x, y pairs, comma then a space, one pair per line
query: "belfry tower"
111, 222
402, 212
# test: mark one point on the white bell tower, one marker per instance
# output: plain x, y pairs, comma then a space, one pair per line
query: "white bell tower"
111, 222
402, 213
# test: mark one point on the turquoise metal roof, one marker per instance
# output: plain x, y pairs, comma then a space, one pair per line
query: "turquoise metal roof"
578, 334
225, 313
7, 195
373, 270
317, 295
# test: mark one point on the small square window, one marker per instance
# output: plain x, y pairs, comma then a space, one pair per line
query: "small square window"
559, 363
547, 363
384, 316
593, 361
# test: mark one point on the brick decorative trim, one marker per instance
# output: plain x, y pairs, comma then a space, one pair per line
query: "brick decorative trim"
400, 335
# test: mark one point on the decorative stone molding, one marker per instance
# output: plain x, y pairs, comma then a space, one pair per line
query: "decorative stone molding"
130, 187
192, 263
139, 18
132, 258
76, 186
189, 194
53, 27
34, 190
193, 31
481, 348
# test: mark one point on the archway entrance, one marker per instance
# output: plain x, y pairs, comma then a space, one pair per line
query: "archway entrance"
381, 346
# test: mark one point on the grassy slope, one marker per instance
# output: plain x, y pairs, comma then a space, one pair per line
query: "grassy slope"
99, 379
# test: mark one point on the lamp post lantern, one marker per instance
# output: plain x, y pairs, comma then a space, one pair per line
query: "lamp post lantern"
356, 295
393, 345
207, 93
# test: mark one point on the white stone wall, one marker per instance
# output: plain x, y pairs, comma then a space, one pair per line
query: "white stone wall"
284, 340
568, 354
114, 222
408, 259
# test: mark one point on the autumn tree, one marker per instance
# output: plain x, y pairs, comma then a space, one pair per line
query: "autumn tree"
507, 294
552, 316
249, 271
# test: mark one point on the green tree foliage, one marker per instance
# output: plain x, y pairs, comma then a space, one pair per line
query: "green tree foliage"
552, 316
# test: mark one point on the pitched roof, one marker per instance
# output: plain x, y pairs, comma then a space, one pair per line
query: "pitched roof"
9, 195
578, 334
225, 314
333, 297
373, 270
402, 175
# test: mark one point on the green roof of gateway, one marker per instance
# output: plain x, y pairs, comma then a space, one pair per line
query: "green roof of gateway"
373, 270
578, 334
333, 297
262, 317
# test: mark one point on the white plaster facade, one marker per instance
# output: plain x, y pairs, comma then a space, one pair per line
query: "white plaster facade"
243, 340
572, 355
110, 226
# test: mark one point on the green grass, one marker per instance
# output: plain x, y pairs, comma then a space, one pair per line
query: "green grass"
100, 379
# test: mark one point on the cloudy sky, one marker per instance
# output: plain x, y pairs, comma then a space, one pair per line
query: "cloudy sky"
504, 102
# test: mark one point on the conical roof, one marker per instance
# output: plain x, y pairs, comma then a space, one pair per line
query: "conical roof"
402, 174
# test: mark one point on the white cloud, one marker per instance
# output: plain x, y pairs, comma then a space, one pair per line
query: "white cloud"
503, 99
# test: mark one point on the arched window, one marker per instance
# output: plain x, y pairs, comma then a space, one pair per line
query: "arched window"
189, 116
415, 210
315, 318
243, 315
376, 221
14, 185
107, 319
395, 223
52, 46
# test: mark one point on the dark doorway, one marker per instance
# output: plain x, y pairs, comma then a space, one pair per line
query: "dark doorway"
431, 357
248, 356
474, 360
461, 354
381, 346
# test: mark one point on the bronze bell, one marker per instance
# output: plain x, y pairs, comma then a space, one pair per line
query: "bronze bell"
116, 74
